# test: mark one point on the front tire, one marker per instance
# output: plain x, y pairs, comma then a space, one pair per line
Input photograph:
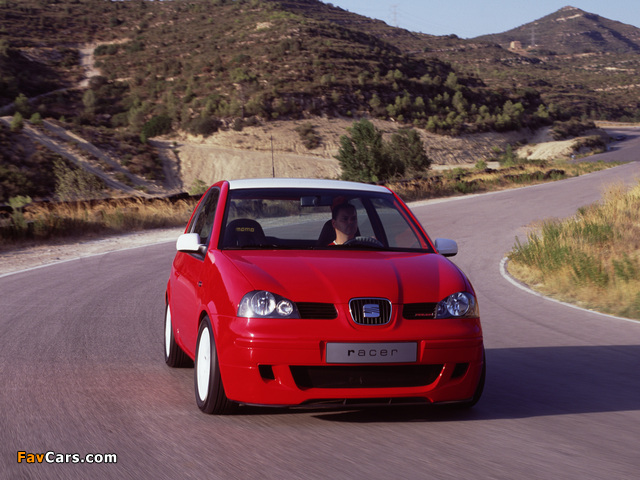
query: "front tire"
210, 395
174, 356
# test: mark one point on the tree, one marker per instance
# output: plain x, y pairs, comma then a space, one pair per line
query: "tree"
22, 105
452, 81
89, 101
406, 148
511, 117
460, 103
377, 108
365, 157
362, 155
17, 122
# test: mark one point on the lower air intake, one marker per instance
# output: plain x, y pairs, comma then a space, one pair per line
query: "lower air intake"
365, 376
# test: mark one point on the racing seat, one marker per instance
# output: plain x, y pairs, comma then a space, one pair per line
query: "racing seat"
243, 232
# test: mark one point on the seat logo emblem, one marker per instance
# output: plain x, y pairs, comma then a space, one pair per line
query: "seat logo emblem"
371, 310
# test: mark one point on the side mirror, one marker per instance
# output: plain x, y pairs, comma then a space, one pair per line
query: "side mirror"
446, 247
189, 243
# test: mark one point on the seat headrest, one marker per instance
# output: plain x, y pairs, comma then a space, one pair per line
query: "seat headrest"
243, 232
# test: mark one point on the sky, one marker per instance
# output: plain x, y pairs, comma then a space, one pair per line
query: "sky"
472, 18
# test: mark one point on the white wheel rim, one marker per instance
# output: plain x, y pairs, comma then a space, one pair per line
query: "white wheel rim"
168, 331
203, 367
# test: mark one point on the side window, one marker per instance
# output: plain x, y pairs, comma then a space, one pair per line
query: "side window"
398, 231
203, 220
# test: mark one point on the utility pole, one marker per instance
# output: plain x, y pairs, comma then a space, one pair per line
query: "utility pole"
533, 35
273, 164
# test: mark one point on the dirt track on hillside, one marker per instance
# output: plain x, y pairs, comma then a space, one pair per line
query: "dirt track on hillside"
276, 149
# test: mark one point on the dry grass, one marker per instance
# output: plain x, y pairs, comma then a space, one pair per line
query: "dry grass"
460, 181
43, 222
69, 221
592, 259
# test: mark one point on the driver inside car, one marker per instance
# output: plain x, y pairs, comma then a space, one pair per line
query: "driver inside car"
344, 220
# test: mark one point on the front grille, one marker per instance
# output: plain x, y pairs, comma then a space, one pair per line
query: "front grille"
419, 311
365, 376
320, 311
370, 311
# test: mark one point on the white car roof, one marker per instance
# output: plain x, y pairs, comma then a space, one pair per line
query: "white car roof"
310, 183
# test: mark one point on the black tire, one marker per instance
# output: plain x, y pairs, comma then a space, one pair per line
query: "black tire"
174, 356
210, 395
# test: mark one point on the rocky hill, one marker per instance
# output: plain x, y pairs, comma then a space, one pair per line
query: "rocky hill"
571, 31
183, 75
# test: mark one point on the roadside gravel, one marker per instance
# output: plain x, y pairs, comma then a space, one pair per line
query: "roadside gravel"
12, 261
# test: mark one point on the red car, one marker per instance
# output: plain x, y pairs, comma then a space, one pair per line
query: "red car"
291, 292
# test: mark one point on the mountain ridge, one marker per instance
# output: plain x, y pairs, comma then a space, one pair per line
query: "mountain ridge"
197, 67
571, 30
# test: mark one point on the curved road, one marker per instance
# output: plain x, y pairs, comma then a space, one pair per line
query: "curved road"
82, 372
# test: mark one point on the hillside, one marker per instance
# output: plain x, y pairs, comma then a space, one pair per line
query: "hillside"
571, 31
196, 74
582, 63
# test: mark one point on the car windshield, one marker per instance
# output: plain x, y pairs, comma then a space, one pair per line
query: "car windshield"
302, 219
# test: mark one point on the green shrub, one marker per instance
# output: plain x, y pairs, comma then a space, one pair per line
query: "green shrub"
36, 119
406, 147
571, 128
17, 122
23, 107
203, 126
17, 217
198, 187
75, 183
308, 135
158, 125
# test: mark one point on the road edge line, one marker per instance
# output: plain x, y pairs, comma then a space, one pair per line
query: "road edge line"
505, 274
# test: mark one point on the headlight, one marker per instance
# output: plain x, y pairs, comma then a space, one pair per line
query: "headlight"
458, 305
263, 304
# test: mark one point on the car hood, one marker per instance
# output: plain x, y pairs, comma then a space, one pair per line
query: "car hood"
337, 277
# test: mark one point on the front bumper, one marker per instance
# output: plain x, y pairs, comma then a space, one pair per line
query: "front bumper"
261, 367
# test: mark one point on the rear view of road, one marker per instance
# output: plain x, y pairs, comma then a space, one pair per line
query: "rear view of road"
82, 371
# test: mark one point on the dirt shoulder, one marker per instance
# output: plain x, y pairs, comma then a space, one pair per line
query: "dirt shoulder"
41, 255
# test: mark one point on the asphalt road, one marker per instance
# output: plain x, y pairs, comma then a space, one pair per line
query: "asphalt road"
82, 371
